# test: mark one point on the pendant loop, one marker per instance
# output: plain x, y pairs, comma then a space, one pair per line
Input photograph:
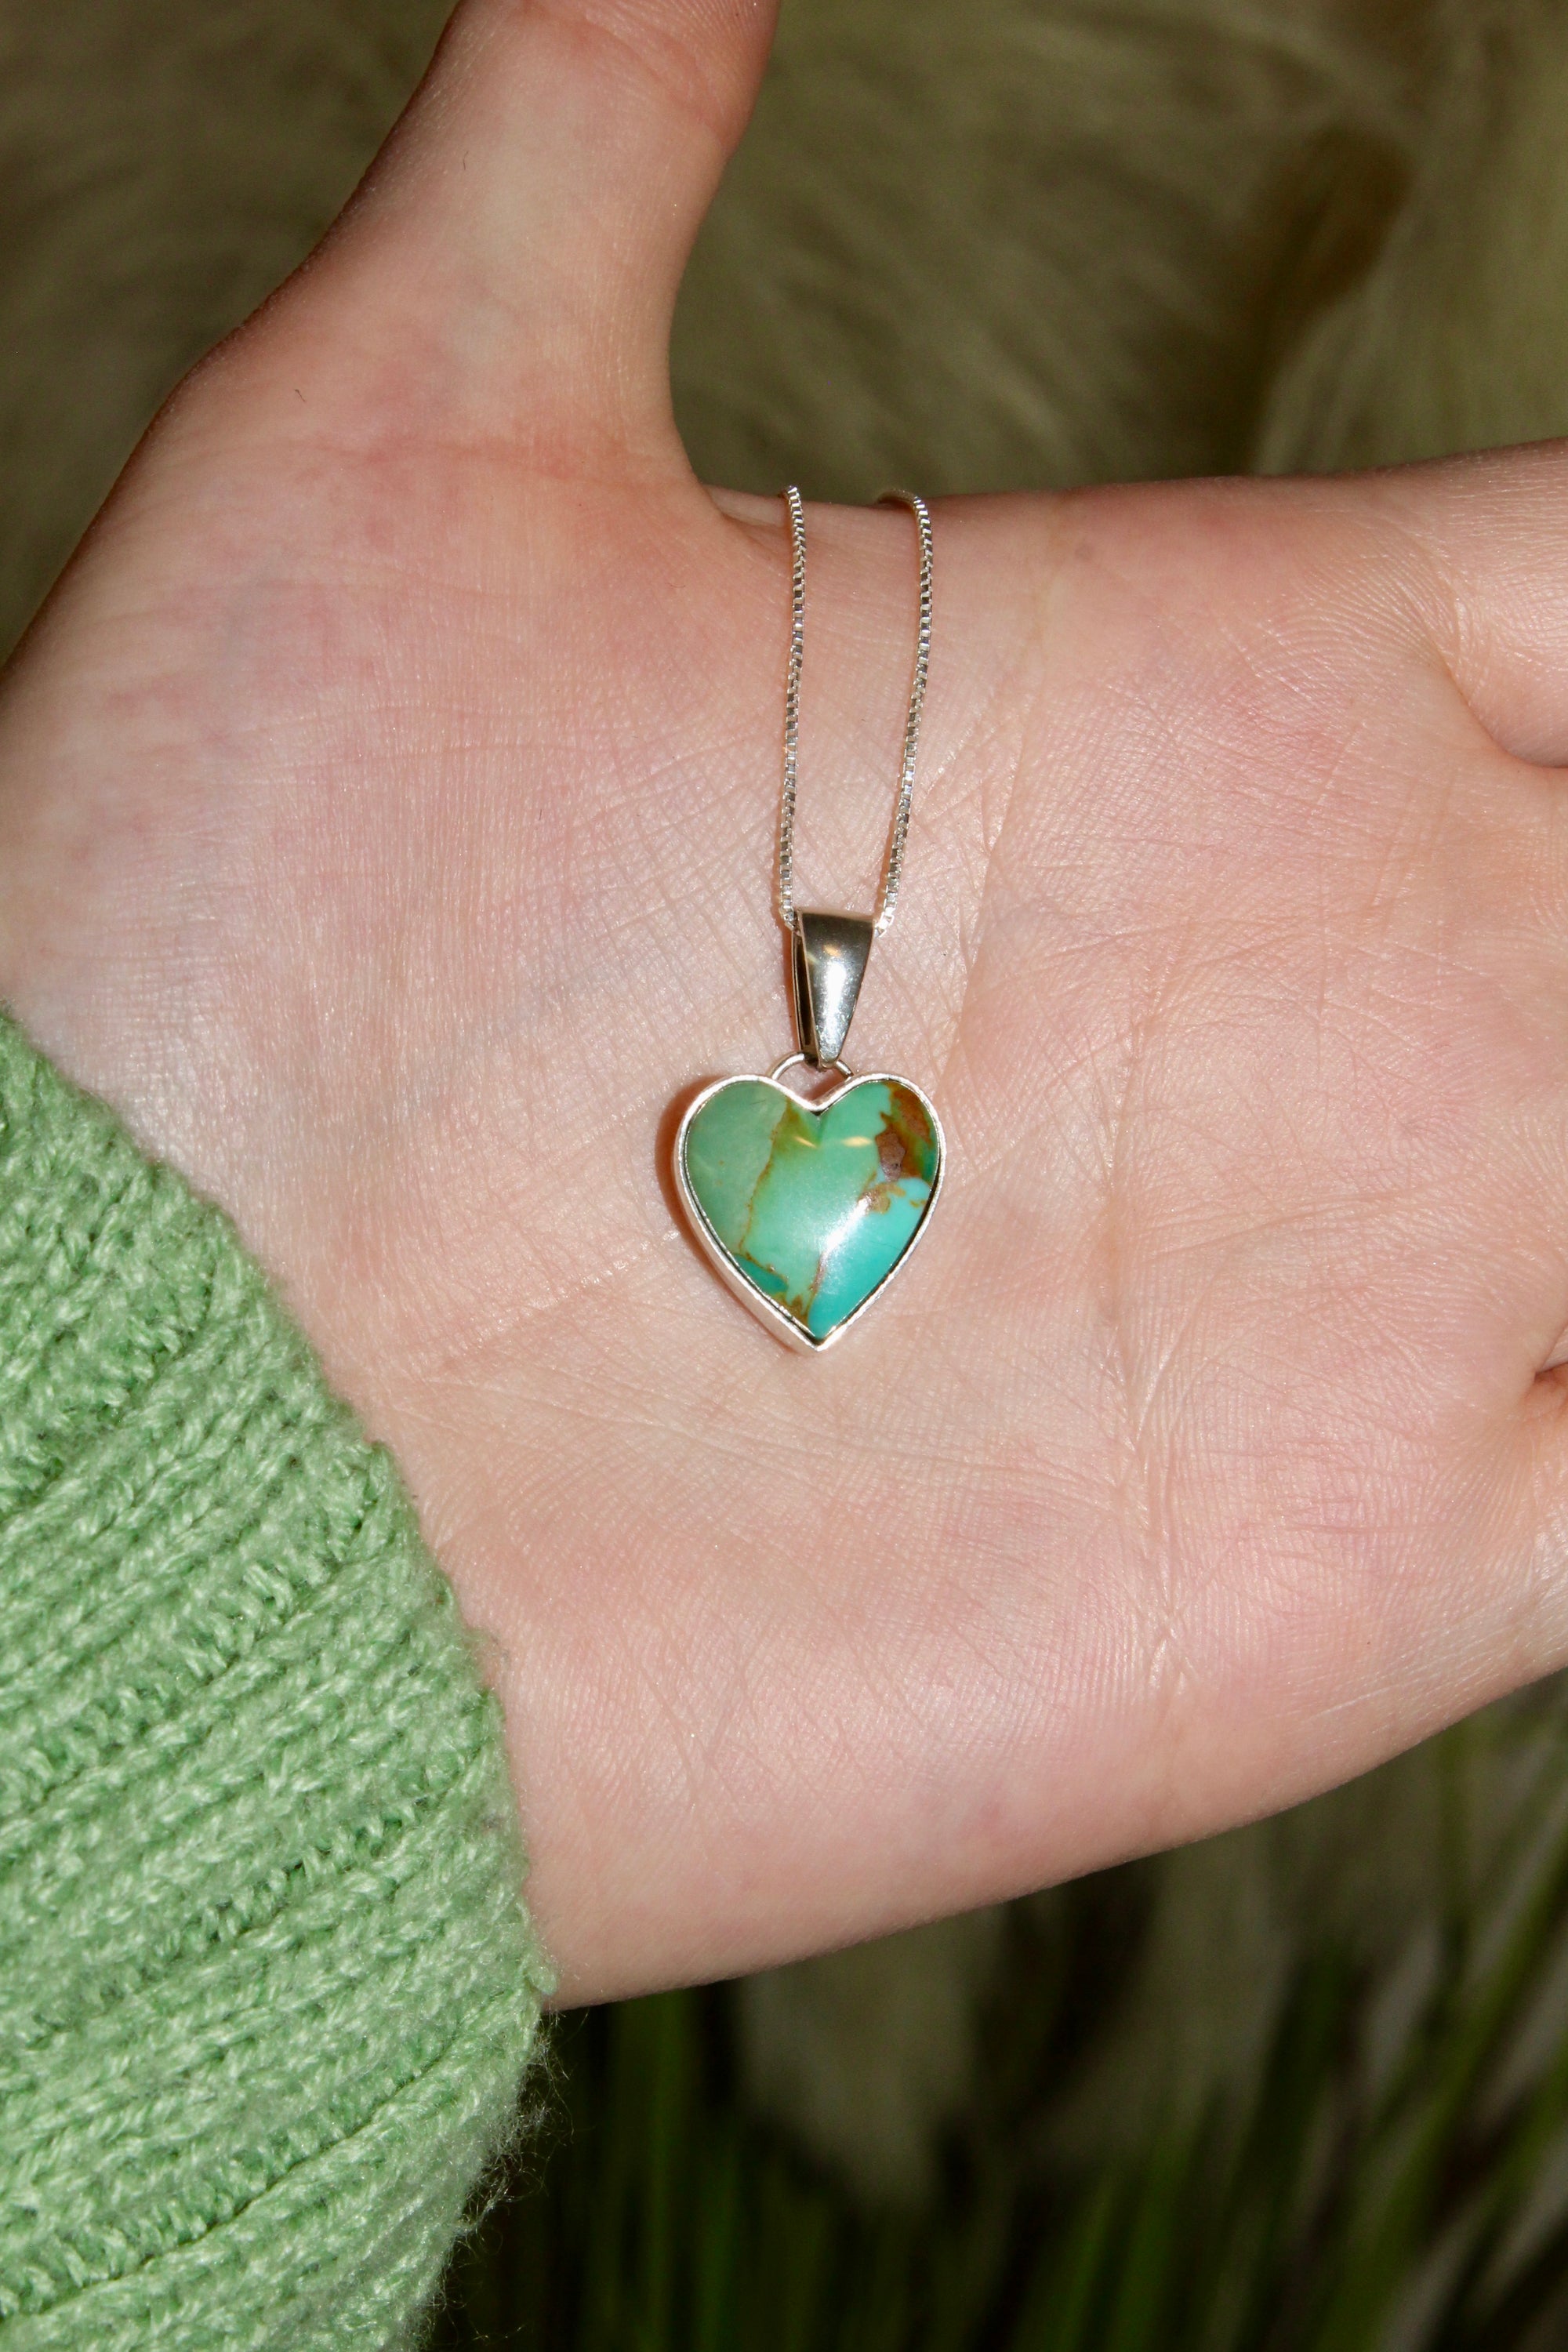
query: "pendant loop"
828, 964
841, 1068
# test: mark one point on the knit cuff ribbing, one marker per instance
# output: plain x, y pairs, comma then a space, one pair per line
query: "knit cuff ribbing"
266, 1986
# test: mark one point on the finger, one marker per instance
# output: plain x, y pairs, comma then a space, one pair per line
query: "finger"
1492, 534
511, 263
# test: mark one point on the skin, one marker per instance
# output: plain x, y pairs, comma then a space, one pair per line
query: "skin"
386, 801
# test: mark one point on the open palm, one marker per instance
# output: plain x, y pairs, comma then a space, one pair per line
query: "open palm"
385, 826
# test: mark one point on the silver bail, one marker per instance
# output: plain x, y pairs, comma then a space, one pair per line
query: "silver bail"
828, 964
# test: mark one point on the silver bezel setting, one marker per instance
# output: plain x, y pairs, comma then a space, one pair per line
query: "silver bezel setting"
773, 1318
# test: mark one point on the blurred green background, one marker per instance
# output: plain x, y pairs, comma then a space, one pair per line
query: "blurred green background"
1305, 2087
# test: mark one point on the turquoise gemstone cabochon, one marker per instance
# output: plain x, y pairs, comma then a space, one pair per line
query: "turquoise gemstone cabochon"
813, 1205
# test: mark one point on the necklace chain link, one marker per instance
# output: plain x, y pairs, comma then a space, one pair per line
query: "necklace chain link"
893, 866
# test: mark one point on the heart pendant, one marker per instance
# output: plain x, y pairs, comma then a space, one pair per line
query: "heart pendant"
808, 1209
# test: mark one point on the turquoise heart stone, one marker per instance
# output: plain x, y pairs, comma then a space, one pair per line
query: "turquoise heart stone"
815, 1206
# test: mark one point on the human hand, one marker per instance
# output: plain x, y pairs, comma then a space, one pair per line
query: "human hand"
387, 806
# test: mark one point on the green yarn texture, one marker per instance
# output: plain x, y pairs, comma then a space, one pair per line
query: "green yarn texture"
268, 1988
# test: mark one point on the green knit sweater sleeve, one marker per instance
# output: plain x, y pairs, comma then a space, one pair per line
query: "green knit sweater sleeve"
266, 1986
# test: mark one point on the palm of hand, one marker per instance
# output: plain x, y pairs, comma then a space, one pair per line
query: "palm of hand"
387, 826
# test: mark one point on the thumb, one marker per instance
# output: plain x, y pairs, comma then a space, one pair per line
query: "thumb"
515, 253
